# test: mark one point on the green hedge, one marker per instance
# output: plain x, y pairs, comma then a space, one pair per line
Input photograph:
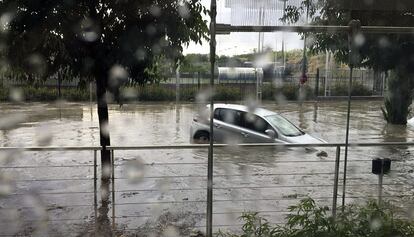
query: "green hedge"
357, 90
45, 94
165, 93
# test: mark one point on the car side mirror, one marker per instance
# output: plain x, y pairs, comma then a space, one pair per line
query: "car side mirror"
272, 134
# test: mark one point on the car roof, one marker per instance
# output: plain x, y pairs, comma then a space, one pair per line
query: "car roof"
258, 111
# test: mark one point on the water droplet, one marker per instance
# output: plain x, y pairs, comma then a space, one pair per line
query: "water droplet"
5, 20
280, 98
105, 190
36, 64
106, 170
375, 224
16, 94
170, 231
38, 208
204, 96
263, 60
151, 29
11, 121
359, 40
88, 30
118, 75
130, 93
105, 128
156, 49
384, 42
6, 187
183, 10
43, 136
140, 54
252, 104
164, 185
369, 2
155, 10
135, 170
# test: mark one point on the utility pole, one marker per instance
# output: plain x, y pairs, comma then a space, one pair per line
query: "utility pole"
283, 36
304, 63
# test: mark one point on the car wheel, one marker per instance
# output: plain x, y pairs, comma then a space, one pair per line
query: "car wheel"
202, 137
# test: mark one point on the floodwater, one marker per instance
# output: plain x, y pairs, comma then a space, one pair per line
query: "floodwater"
51, 193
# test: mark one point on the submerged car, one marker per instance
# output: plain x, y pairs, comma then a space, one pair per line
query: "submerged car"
239, 124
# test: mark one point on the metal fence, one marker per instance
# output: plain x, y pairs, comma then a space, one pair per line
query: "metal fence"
54, 199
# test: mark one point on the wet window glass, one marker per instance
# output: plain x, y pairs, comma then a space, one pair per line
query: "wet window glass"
283, 125
149, 118
254, 122
231, 116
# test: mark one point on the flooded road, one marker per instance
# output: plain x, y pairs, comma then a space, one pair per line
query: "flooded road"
51, 192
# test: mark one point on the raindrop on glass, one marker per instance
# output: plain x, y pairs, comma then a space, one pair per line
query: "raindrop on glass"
135, 170
5, 20
359, 40
170, 231
88, 30
118, 75
155, 10
183, 10
16, 95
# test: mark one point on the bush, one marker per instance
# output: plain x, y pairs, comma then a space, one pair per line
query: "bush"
287, 91
47, 94
308, 220
357, 90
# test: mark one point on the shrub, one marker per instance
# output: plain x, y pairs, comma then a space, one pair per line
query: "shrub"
287, 91
308, 220
357, 90
47, 94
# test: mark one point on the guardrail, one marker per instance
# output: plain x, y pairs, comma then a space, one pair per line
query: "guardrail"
115, 149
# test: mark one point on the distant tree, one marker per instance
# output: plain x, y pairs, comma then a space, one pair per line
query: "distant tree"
381, 52
110, 41
195, 63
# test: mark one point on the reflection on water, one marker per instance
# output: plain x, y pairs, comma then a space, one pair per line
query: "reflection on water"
103, 225
180, 200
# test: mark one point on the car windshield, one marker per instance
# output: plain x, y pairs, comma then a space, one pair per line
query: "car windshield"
284, 126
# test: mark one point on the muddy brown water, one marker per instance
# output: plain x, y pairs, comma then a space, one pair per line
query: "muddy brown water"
50, 193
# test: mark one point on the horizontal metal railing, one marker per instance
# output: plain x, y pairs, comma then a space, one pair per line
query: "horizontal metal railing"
197, 146
95, 149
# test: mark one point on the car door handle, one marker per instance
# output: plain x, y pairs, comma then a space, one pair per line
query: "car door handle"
217, 125
244, 134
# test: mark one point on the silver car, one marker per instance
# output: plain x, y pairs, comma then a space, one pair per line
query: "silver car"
235, 124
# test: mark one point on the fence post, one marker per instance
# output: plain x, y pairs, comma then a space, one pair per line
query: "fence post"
113, 188
198, 81
210, 166
317, 84
177, 83
95, 197
336, 180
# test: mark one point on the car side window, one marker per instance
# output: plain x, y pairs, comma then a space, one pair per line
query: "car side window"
254, 122
217, 114
230, 116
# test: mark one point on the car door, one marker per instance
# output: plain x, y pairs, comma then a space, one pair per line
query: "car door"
253, 129
224, 120
227, 125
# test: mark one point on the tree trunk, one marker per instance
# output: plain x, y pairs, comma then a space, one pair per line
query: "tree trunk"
398, 98
101, 86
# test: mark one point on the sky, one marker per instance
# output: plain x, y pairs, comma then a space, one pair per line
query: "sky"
240, 43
